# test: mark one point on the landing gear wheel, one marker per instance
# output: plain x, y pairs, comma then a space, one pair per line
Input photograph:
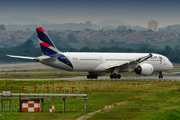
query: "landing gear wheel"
88, 76
111, 76
92, 76
114, 76
95, 76
160, 75
118, 76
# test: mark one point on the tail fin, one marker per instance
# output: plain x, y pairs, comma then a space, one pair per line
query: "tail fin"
47, 46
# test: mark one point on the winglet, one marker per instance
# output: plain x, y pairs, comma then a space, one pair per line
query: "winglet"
144, 58
139, 60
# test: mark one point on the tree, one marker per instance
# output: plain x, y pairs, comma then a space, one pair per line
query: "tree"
130, 31
28, 44
86, 49
71, 38
113, 41
167, 48
88, 24
102, 41
121, 28
57, 39
34, 37
168, 28
150, 30
177, 47
2, 27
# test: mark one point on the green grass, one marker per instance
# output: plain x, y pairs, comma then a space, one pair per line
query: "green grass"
159, 100
156, 103
42, 75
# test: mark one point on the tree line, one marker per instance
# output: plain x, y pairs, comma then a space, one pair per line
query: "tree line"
28, 49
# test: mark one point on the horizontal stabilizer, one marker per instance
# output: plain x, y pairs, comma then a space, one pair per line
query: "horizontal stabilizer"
44, 57
23, 57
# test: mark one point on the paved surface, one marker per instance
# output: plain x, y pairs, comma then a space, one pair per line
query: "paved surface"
23, 66
139, 78
38, 66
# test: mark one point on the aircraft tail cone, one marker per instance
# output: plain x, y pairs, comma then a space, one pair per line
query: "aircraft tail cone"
36, 59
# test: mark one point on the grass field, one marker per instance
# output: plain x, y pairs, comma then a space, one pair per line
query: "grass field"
145, 100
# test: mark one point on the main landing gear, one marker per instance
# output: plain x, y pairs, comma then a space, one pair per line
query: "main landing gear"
92, 76
160, 75
115, 76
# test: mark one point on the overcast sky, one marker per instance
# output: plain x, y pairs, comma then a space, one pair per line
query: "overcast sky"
134, 12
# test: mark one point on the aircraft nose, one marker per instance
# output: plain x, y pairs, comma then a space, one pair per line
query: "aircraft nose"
170, 65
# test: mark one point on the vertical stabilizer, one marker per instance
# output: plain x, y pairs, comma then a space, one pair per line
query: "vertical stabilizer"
47, 46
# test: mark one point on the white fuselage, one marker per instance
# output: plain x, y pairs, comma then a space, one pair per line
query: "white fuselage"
98, 62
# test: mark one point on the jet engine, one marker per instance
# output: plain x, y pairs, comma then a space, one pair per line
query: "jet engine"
144, 69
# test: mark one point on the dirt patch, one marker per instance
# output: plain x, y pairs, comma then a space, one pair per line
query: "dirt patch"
107, 107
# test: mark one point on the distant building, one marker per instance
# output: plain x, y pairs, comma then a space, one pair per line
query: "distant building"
153, 25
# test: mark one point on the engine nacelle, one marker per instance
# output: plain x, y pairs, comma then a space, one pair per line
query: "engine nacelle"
144, 69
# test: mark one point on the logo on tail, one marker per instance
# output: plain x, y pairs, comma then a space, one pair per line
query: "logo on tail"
47, 46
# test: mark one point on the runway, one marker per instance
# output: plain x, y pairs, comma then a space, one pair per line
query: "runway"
104, 78
12, 67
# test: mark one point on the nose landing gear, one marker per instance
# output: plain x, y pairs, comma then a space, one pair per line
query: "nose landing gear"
160, 75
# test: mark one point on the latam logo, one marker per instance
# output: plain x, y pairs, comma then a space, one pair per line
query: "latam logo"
45, 44
156, 57
40, 29
160, 57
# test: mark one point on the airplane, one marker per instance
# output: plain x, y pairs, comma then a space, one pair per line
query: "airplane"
98, 64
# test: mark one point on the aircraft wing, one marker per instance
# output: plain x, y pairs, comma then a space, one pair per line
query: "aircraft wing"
132, 63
